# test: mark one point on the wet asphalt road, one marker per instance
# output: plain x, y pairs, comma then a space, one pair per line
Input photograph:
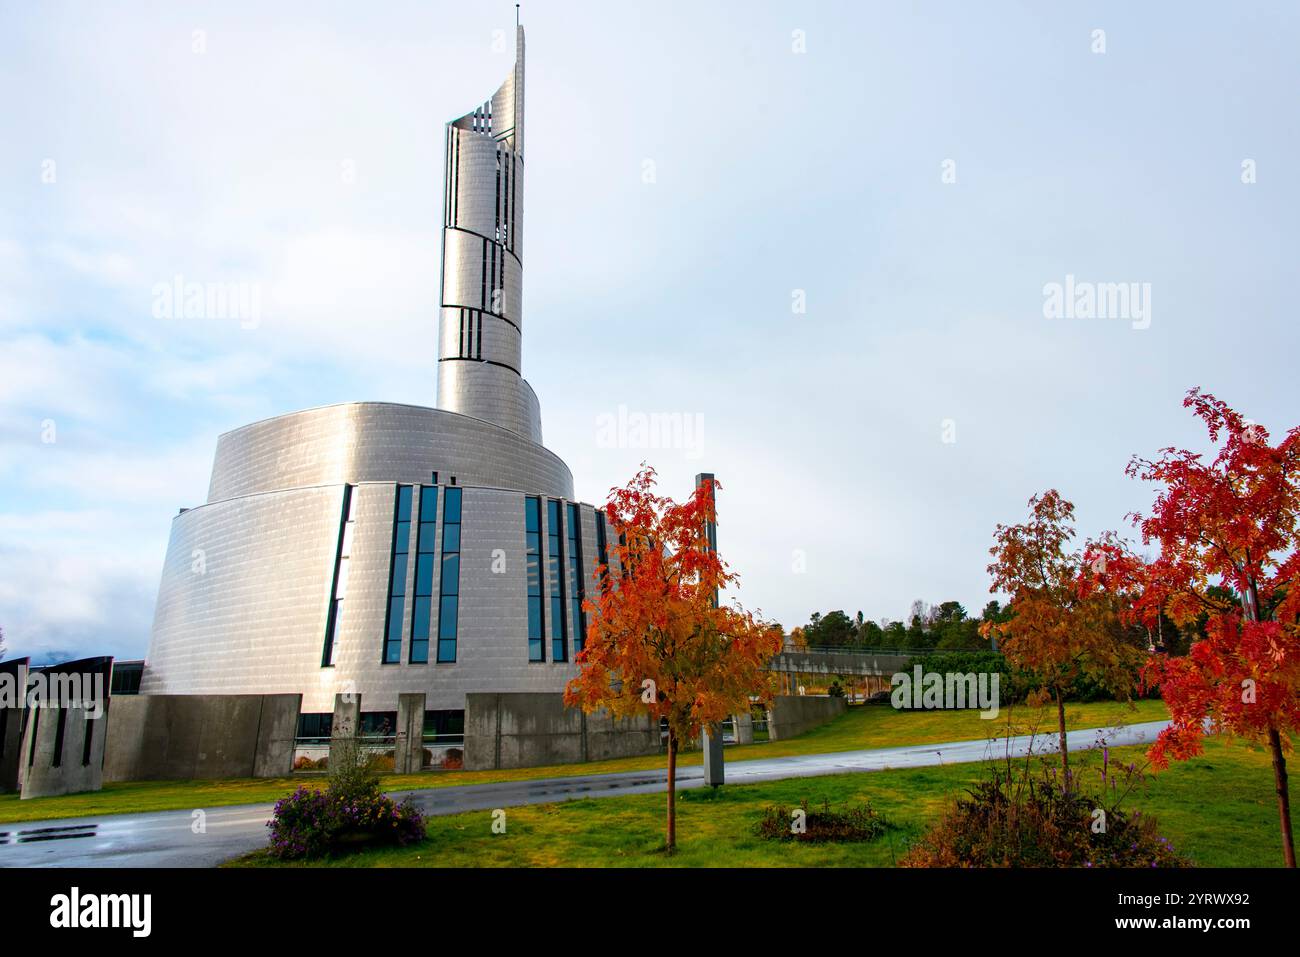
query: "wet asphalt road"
169, 838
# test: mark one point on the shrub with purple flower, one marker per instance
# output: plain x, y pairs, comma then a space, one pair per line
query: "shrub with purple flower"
314, 823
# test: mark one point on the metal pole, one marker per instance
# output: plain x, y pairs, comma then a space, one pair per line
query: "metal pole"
713, 765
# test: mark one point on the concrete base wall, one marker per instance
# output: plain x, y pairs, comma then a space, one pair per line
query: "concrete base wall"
11, 747
11, 724
408, 750
744, 724
527, 730
792, 715
76, 769
180, 737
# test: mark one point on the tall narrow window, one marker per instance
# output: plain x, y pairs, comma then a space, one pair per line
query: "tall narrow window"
422, 611
88, 742
60, 726
577, 589
397, 583
533, 566
602, 546
554, 572
36, 726
342, 560
450, 590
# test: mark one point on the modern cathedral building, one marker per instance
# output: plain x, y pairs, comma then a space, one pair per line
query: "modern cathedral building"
386, 549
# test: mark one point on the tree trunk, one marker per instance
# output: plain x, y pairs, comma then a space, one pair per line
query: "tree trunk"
1283, 796
671, 843
1060, 728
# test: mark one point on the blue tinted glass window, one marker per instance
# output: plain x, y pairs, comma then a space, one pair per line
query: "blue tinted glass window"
393, 645
419, 651
404, 503
450, 574
424, 574
450, 538
338, 588
555, 581
451, 506
447, 617
420, 617
428, 503
426, 537
533, 569
535, 620
399, 573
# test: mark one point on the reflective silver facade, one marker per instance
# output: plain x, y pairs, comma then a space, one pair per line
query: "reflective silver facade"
286, 578
480, 341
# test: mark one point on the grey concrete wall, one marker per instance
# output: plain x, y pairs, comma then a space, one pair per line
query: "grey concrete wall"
180, 737
11, 746
744, 724
532, 729
75, 771
408, 753
792, 715
11, 726
346, 725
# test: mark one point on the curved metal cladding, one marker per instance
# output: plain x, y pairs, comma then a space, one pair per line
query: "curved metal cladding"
380, 441
244, 604
480, 340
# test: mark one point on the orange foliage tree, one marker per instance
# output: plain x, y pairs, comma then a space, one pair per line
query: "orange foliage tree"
1229, 542
658, 641
1053, 631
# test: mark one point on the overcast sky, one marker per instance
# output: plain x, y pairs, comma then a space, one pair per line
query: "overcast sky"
695, 171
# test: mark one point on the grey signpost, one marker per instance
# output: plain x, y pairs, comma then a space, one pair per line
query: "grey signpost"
713, 771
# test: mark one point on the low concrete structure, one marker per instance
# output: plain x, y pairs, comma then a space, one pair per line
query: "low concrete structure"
346, 724
64, 750
744, 725
179, 737
63, 714
792, 715
408, 750
11, 725
524, 730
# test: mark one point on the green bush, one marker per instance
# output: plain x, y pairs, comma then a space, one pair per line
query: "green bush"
858, 822
1016, 819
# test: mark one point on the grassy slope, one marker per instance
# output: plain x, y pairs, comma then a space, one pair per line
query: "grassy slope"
861, 727
1219, 809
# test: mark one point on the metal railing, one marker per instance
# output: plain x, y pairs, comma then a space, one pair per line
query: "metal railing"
856, 650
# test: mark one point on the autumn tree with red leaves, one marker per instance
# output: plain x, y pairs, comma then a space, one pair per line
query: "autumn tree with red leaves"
1229, 550
1052, 631
657, 640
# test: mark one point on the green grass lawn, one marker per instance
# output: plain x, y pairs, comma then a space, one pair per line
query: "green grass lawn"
868, 726
1218, 809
